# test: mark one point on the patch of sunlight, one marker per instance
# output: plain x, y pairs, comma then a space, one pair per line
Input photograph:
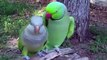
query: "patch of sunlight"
12, 43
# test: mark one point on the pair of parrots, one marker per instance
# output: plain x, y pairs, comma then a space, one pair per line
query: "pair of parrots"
48, 31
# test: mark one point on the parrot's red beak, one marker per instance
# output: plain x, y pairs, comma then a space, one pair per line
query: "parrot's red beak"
37, 28
48, 16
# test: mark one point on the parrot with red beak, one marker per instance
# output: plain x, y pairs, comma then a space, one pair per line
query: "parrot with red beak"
32, 37
59, 25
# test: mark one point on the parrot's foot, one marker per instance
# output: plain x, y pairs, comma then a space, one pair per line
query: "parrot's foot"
57, 50
26, 57
42, 53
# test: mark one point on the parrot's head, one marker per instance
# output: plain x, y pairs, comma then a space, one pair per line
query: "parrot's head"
55, 10
36, 24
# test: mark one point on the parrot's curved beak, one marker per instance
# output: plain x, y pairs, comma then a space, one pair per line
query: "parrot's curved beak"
37, 28
48, 16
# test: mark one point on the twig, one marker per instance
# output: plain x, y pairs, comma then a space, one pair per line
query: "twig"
54, 54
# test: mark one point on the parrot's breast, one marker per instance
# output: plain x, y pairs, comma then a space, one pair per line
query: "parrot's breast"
58, 31
34, 42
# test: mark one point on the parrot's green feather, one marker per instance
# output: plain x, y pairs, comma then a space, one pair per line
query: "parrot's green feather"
71, 27
52, 7
56, 9
58, 29
20, 43
25, 52
20, 46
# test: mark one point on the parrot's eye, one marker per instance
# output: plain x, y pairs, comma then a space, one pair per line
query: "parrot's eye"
55, 12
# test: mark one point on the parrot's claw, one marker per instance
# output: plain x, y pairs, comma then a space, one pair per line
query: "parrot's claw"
42, 53
26, 57
57, 50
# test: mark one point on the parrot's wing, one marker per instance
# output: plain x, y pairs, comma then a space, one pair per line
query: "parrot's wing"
71, 27
22, 48
20, 44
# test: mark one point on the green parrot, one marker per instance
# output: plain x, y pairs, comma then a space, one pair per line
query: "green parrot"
32, 37
59, 24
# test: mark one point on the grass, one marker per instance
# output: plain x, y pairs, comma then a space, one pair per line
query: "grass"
4, 57
10, 25
9, 56
7, 8
12, 19
100, 43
